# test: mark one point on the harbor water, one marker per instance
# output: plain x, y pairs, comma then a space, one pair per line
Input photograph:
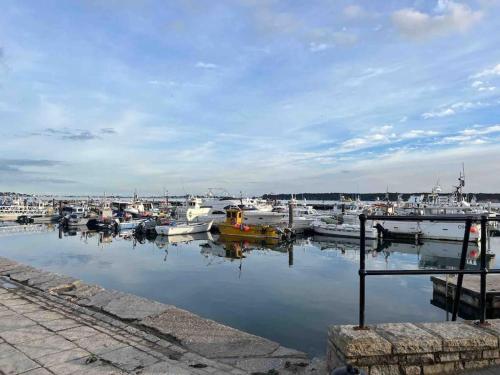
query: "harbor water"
288, 293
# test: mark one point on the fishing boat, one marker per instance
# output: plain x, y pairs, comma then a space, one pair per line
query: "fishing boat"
236, 226
175, 228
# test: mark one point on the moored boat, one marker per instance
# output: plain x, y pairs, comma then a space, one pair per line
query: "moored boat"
343, 230
236, 227
174, 228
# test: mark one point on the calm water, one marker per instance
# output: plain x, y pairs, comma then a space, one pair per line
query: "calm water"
287, 296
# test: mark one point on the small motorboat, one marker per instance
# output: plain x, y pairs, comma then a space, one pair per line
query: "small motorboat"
176, 228
343, 230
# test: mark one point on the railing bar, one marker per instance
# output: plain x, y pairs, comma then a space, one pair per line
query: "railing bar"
362, 254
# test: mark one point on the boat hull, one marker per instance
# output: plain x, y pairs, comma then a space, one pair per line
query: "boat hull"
343, 230
433, 230
182, 229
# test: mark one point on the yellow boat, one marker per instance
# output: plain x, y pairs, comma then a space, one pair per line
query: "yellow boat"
235, 227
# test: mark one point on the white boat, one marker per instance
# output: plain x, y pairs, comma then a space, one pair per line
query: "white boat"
183, 228
434, 230
343, 230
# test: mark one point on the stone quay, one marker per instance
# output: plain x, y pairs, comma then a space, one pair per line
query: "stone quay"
54, 324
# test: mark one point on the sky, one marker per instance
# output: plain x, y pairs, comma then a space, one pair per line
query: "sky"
248, 96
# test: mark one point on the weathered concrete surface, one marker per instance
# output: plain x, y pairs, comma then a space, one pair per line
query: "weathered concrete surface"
460, 336
130, 307
207, 337
352, 342
420, 348
407, 338
66, 326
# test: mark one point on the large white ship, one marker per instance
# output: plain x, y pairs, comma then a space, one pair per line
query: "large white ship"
438, 205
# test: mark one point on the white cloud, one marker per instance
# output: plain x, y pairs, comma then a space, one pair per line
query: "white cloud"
417, 133
382, 135
482, 86
477, 84
449, 17
440, 113
455, 108
205, 65
486, 88
495, 71
482, 130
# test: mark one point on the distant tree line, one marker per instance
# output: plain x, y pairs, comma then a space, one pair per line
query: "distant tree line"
481, 197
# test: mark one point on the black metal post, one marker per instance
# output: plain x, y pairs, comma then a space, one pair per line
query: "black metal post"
458, 288
484, 271
362, 271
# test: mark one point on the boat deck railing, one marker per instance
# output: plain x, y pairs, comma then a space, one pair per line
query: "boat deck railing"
483, 271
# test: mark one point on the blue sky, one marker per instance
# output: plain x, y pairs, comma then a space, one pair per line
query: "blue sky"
248, 95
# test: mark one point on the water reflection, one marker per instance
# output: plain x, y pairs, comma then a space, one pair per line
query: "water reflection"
429, 254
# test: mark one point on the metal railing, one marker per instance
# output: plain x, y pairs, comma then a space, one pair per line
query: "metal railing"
461, 271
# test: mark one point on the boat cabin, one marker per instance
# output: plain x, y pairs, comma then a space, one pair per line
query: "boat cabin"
234, 216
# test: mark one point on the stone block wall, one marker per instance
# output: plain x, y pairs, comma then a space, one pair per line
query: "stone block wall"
415, 348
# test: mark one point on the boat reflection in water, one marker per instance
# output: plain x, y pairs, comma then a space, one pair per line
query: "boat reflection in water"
437, 254
164, 241
233, 249
429, 253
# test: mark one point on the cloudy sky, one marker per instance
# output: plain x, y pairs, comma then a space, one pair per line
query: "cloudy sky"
248, 95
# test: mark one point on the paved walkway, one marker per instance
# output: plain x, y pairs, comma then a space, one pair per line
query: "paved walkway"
39, 336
